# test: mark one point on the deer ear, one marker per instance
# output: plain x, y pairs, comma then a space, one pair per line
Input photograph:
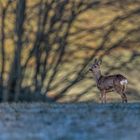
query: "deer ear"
96, 61
99, 61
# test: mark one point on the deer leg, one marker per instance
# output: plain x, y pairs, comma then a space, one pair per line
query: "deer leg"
103, 97
124, 98
123, 95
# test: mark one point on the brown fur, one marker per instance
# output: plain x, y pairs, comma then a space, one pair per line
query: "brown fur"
108, 83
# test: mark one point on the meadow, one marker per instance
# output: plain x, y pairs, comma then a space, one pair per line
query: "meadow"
46, 49
74, 121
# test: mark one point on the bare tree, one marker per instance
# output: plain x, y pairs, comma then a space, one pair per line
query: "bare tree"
48, 40
15, 71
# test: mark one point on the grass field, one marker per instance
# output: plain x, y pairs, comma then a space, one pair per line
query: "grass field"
84, 121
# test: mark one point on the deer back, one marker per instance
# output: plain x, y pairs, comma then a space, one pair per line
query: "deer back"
111, 81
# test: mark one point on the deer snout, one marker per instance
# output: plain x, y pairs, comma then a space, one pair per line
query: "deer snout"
90, 69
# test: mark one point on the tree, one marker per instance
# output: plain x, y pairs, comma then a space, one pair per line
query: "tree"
53, 44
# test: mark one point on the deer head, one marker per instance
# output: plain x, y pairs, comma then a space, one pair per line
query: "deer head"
96, 66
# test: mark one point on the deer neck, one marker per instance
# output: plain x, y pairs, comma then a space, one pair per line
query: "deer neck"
97, 75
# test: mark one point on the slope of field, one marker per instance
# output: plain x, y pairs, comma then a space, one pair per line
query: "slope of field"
81, 121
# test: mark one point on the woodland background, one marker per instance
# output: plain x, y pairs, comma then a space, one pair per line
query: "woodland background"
47, 47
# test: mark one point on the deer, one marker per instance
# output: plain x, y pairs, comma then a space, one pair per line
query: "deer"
109, 83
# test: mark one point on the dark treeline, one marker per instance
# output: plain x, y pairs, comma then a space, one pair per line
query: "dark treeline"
37, 46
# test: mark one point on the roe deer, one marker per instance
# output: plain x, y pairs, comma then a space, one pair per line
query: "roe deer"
109, 83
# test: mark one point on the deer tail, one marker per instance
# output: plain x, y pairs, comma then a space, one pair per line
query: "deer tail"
123, 83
